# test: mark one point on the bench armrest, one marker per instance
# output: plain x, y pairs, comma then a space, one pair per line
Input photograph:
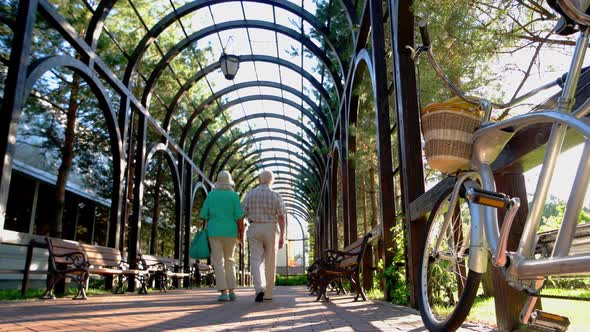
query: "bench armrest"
77, 258
343, 253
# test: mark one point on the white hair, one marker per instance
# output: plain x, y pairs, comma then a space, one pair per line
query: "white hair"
266, 177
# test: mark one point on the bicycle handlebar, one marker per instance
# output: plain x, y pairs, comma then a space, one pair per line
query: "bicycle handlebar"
426, 47
572, 11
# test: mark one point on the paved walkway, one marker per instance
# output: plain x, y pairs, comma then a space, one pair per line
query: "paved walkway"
292, 309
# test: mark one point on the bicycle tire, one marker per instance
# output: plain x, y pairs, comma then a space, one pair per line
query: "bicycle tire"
426, 285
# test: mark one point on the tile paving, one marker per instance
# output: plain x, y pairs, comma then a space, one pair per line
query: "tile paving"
291, 309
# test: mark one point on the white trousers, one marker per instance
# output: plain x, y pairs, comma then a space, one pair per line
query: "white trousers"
222, 259
263, 242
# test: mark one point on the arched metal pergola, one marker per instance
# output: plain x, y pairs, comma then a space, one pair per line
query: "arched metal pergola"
306, 138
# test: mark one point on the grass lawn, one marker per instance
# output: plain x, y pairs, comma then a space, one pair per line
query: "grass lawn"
33, 294
483, 310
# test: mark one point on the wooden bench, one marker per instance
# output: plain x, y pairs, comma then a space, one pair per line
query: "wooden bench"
346, 264
78, 261
163, 269
204, 275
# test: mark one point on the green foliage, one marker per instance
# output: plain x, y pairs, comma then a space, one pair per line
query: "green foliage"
395, 274
291, 280
553, 214
15, 294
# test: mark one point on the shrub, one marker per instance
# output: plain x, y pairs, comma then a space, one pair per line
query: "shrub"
291, 280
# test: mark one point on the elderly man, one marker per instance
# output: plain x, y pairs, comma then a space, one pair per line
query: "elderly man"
265, 211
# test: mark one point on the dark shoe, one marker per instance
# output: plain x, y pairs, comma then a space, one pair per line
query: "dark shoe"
259, 297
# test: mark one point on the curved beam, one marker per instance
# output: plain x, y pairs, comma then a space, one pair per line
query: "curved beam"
319, 126
238, 24
41, 66
243, 58
268, 165
254, 178
231, 147
287, 151
312, 154
290, 202
287, 161
294, 196
211, 100
227, 127
177, 14
196, 187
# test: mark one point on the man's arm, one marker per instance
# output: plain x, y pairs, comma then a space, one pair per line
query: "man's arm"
282, 227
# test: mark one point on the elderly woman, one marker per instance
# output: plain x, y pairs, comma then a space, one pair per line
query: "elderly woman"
222, 211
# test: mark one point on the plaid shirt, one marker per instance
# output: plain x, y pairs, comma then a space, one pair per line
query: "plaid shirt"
261, 204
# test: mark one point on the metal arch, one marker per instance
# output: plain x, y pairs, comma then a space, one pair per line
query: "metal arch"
350, 10
287, 160
322, 129
238, 24
299, 185
291, 204
283, 192
312, 154
163, 148
177, 14
277, 164
262, 163
43, 65
298, 195
287, 151
363, 61
211, 99
178, 206
97, 22
302, 144
295, 204
292, 183
247, 118
68, 32
37, 69
306, 217
247, 185
197, 186
273, 149
245, 58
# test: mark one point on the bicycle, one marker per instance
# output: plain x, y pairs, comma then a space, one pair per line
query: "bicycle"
463, 226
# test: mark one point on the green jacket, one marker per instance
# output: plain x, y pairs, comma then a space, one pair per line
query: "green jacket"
222, 209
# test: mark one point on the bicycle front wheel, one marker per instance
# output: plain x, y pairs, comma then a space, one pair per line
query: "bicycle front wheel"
447, 287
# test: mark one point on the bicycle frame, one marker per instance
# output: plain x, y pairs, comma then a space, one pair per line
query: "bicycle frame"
489, 142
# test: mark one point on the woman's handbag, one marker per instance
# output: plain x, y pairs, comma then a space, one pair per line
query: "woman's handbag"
199, 248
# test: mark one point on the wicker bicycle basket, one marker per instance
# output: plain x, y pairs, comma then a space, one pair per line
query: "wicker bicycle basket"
448, 130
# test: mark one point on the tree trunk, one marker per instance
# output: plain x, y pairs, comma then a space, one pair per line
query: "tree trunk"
372, 197
67, 156
156, 210
364, 204
129, 182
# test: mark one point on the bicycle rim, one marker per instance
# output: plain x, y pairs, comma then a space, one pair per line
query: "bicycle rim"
447, 286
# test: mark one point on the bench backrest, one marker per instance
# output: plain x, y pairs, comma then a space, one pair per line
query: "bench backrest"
358, 247
154, 261
96, 255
